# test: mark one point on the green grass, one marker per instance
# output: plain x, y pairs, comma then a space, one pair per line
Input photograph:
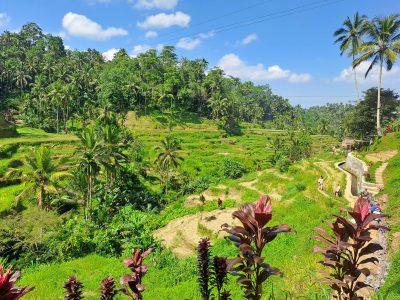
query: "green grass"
389, 142
8, 194
32, 136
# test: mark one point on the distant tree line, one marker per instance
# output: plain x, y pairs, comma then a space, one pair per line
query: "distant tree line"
50, 86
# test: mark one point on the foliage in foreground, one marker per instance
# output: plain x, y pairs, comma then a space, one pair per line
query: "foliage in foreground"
213, 273
348, 249
8, 290
251, 238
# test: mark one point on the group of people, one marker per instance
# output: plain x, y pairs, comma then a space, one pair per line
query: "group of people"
373, 204
337, 191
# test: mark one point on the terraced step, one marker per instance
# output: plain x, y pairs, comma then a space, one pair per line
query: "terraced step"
381, 156
379, 173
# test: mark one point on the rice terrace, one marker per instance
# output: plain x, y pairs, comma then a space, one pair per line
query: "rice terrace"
211, 150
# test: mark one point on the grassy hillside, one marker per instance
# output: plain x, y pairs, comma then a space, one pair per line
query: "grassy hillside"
296, 201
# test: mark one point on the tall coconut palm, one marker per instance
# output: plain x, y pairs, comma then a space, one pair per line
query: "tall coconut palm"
168, 158
113, 146
383, 47
21, 78
350, 37
90, 161
42, 176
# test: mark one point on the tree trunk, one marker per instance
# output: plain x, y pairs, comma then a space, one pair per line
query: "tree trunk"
356, 84
58, 122
40, 198
378, 104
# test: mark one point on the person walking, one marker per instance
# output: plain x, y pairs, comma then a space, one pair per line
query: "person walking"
337, 191
321, 183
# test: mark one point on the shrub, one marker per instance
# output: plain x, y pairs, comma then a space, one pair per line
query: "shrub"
300, 186
283, 164
8, 150
127, 230
232, 169
348, 248
251, 238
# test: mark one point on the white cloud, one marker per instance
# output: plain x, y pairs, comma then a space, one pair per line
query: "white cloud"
234, 66
109, 54
347, 75
299, 78
163, 20
4, 19
188, 43
156, 4
142, 48
82, 26
249, 39
207, 35
138, 49
67, 47
151, 34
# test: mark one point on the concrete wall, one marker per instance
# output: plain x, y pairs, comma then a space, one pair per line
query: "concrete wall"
357, 167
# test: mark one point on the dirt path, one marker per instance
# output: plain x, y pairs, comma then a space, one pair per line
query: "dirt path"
181, 235
332, 176
250, 185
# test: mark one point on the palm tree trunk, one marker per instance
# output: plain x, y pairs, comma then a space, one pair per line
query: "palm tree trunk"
40, 198
378, 105
356, 83
58, 126
166, 183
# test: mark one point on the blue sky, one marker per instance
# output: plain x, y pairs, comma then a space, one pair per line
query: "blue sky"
287, 44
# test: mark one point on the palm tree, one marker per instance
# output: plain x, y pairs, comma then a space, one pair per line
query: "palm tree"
21, 78
350, 38
168, 157
113, 150
42, 176
323, 126
383, 47
90, 161
57, 94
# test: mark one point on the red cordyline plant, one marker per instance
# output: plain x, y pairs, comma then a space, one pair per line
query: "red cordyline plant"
348, 249
133, 281
73, 289
7, 289
220, 276
107, 290
251, 239
213, 273
203, 266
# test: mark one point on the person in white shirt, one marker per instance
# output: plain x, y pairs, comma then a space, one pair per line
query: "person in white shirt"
321, 183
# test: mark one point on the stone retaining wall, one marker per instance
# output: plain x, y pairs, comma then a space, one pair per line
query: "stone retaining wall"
357, 167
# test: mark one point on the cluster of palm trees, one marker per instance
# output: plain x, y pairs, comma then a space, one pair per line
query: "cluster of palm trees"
376, 41
104, 149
